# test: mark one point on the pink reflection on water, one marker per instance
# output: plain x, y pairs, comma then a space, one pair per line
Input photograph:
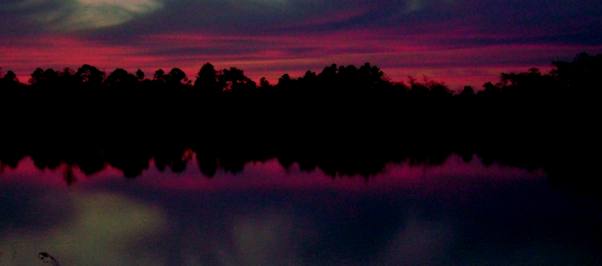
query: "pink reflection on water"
454, 175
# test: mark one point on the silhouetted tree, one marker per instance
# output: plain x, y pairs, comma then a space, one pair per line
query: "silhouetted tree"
264, 83
233, 80
90, 75
468, 91
10, 77
206, 83
140, 75
176, 77
159, 75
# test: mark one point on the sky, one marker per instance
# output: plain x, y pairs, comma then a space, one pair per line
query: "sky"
458, 42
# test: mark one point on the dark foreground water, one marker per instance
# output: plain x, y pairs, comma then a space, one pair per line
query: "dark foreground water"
455, 214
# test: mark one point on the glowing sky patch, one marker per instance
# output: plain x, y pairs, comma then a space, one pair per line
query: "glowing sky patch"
95, 14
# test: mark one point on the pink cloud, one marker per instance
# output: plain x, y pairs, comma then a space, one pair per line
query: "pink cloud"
273, 55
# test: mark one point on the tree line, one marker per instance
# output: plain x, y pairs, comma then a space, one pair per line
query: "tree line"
345, 120
575, 77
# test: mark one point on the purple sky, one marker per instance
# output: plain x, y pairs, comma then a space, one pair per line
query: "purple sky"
456, 41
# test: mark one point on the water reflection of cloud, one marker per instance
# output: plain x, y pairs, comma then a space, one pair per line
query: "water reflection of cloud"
105, 230
419, 240
261, 238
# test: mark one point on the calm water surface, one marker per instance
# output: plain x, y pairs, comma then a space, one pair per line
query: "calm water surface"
457, 213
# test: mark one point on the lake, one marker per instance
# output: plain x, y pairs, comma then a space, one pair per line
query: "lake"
459, 212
